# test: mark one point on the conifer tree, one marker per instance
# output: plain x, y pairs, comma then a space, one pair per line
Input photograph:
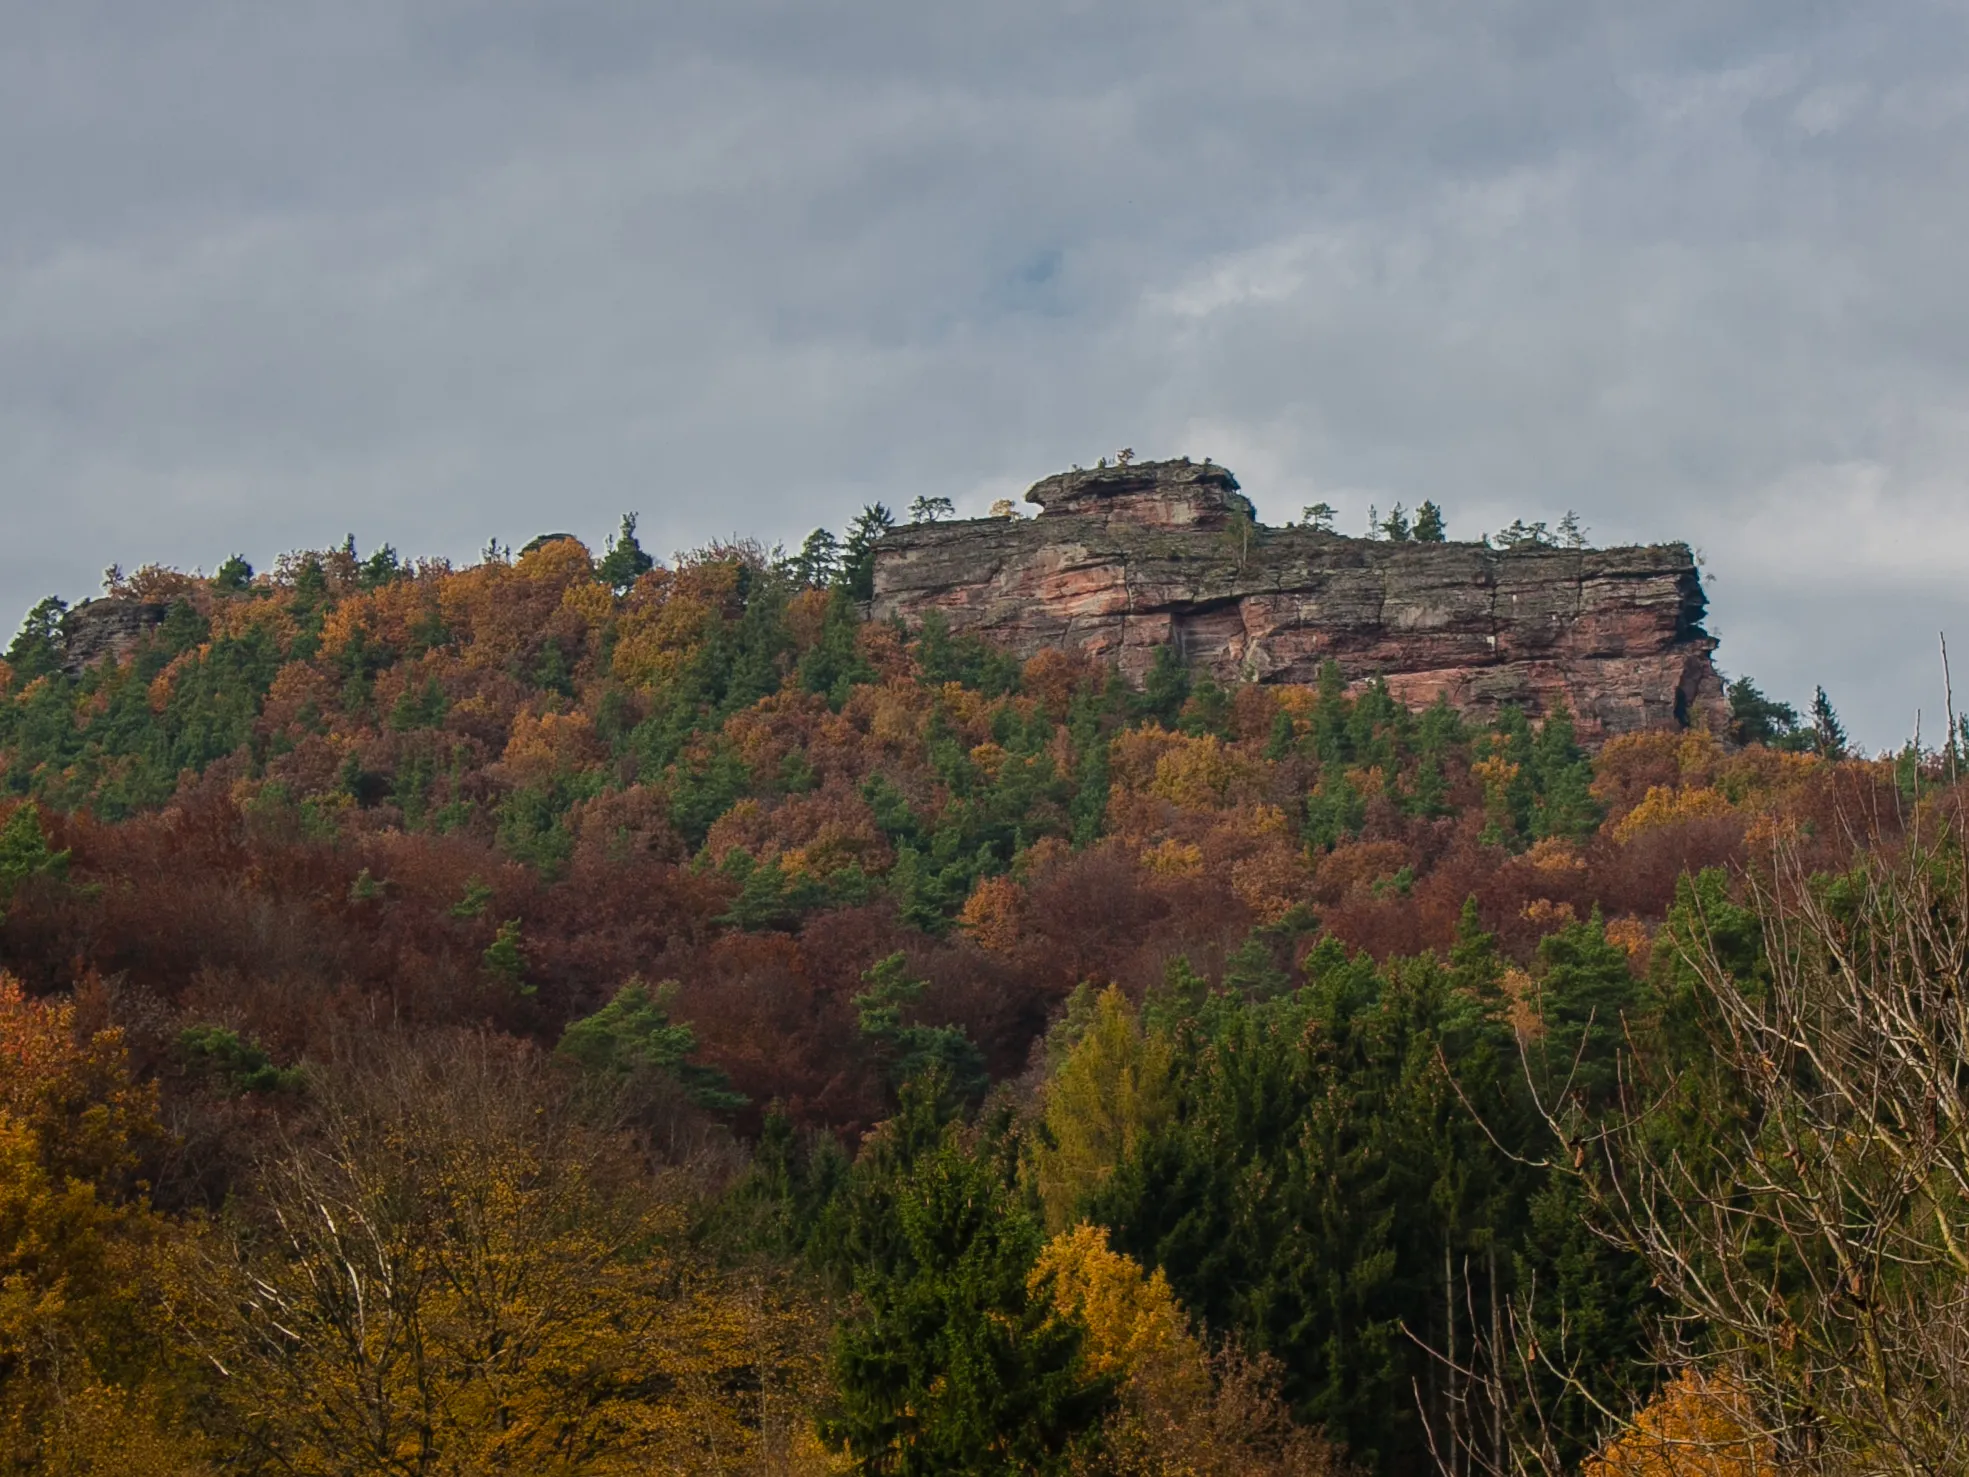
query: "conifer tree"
36, 647
1828, 733
625, 562
951, 1364
1166, 687
858, 553
818, 564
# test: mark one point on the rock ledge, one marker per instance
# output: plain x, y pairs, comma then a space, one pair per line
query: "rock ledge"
1122, 560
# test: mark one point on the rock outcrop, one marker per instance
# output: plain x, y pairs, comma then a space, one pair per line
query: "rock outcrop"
1123, 560
110, 627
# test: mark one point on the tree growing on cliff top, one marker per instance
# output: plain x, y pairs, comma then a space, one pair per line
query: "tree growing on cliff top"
1519, 534
1429, 525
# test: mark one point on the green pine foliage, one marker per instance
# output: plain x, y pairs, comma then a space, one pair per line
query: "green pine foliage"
913, 1051
948, 1364
633, 1035
25, 854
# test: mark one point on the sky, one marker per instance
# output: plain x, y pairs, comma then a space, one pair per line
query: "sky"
436, 271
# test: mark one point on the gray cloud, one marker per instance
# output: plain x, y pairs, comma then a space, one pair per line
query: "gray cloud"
431, 272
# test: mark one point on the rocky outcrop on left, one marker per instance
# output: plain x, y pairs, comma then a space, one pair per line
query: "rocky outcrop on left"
109, 628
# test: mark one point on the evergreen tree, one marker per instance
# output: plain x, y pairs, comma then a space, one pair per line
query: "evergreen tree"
1519, 534
1588, 998
1395, 527
36, 648
1562, 780
1319, 517
1166, 687
834, 664
380, 568
1756, 719
633, 1034
1429, 526
931, 509
235, 576
1208, 709
25, 853
949, 1364
1319, 1169
1828, 734
912, 1050
625, 562
818, 564
858, 554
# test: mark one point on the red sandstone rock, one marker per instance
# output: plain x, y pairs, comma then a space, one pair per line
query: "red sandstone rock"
1123, 560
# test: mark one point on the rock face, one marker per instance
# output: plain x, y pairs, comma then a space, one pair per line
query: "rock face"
96, 629
1123, 560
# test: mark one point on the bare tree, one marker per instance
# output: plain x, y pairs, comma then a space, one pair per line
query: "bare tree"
1798, 1183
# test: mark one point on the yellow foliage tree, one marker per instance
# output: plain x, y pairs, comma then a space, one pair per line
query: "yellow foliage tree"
1135, 1327
1663, 806
78, 1245
1113, 1087
1696, 1427
456, 1276
1183, 1412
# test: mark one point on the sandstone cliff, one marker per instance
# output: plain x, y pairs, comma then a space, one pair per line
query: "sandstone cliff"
109, 627
1123, 560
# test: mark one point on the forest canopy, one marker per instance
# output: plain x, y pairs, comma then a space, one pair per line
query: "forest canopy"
581, 1014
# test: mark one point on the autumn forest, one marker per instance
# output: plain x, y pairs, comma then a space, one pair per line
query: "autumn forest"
573, 1014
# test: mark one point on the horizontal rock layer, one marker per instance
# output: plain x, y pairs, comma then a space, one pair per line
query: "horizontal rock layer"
1124, 560
106, 628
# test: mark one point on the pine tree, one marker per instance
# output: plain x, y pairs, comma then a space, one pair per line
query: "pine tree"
633, 1034
25, 853
950, 1364
1828, 734
1756, 719
818, 564
36, 648
858, 554
235, 576
1166, 687
625, 562
380, 568
1429, 526
912, 1050
1562, 780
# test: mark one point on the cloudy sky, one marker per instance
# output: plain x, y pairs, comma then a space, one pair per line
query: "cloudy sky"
431, 271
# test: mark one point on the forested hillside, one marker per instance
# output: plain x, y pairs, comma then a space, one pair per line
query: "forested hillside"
568, 1014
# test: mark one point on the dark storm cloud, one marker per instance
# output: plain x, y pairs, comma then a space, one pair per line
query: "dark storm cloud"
435, 271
